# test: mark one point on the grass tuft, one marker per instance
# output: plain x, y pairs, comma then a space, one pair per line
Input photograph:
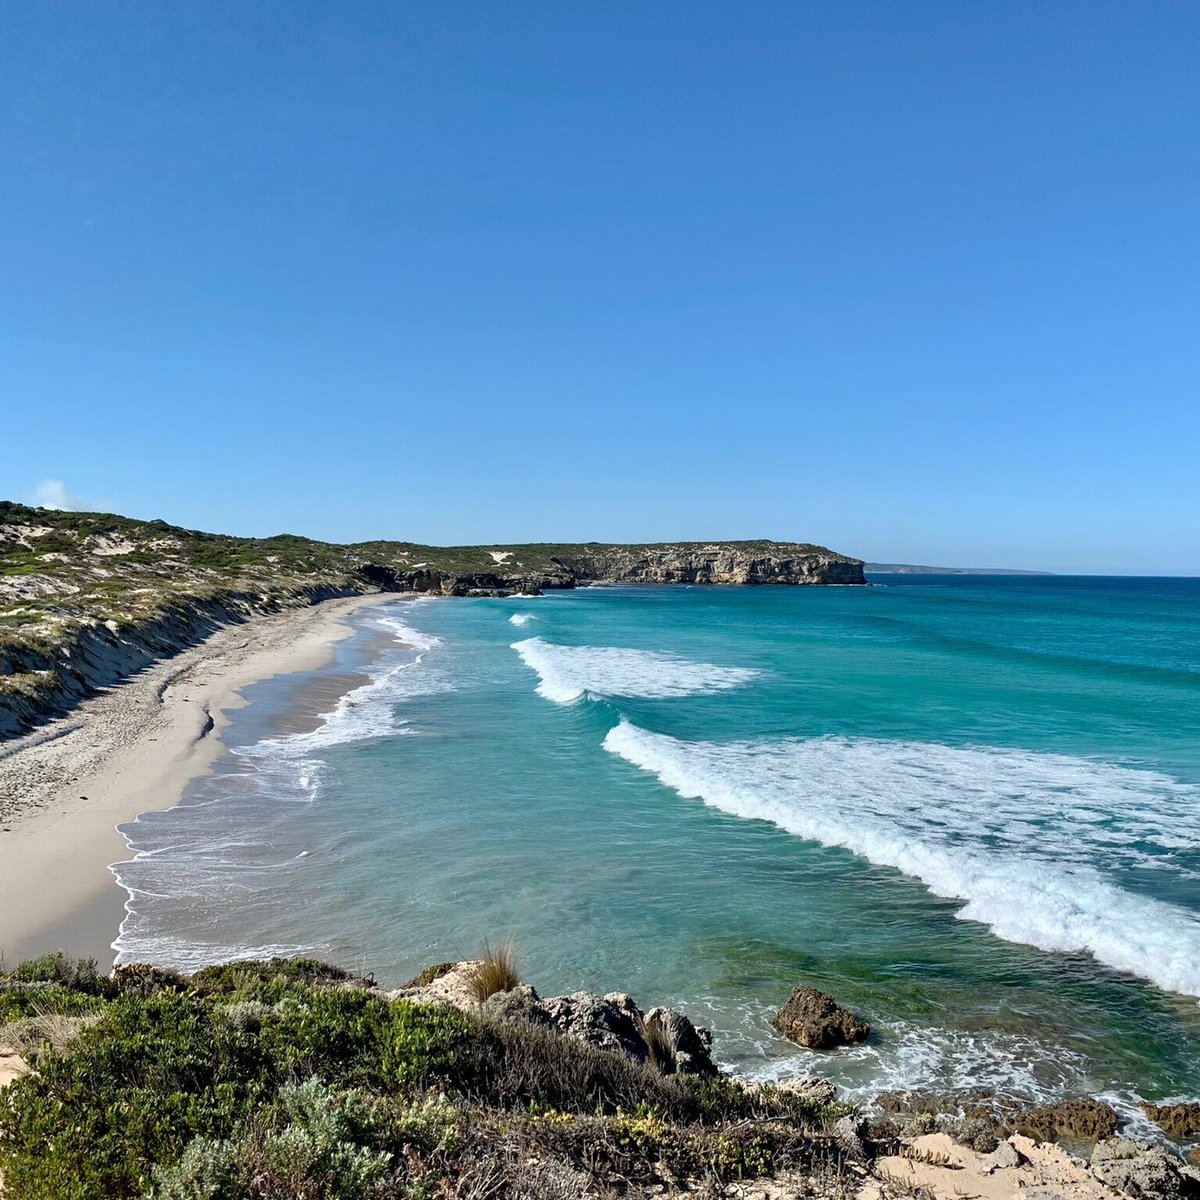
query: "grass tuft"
498, 971
660, 1047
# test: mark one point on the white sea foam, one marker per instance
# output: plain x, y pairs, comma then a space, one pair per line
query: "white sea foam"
407, 635
520, 619
370, 711
570, 672
186, 954
917, 1057
1029, 841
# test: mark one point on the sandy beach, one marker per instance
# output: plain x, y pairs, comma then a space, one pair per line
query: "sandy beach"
66, 786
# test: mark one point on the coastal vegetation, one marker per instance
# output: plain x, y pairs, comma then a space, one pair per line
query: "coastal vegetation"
293, 1078
497, 971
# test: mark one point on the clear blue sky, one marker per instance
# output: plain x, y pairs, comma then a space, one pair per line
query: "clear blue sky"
916, 280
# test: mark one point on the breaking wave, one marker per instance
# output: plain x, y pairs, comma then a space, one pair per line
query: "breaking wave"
1029, 841
520, 619
569, 672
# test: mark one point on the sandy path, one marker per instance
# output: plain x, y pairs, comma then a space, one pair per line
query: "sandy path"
65, 787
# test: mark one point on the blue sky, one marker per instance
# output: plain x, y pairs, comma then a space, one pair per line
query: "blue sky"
915, 280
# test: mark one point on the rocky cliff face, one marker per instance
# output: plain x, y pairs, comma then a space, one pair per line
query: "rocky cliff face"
778, 563
740, 563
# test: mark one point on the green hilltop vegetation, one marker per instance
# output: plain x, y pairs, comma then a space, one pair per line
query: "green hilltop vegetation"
87, 598
293, 1080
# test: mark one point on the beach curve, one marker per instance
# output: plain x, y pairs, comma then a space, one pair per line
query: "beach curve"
65, 787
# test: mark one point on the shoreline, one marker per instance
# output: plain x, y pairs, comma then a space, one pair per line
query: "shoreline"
65, 787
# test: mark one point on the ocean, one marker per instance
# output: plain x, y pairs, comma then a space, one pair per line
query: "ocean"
968, 806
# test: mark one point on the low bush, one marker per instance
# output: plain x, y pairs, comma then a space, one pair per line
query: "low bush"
23, 1000
134, 1089
271, 979
309, 1144
429, 974
72, 974
260, 1081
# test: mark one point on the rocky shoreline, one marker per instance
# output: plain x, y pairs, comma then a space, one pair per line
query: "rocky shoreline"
981, 1121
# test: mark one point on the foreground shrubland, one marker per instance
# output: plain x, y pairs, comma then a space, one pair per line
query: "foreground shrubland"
290, 1080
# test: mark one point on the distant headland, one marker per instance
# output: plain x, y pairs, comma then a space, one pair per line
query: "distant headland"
913, 569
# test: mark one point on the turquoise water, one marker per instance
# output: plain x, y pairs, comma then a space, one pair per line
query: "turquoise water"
967, 806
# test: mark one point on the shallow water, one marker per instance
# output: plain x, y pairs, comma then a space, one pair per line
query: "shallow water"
968, 806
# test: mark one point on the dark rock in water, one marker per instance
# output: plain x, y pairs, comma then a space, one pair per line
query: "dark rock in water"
1175, 1120
816, 1020
1144, 1171
1083, 1119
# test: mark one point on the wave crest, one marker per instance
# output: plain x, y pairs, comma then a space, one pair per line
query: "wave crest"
981, 825
569, 672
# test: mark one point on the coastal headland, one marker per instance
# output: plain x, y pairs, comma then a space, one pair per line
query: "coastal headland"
144, 656
89, 599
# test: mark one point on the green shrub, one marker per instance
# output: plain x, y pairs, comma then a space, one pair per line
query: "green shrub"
430, 1044
32, 1036
312, 1143
207, 1171
21, 1000
73, 974
287, 1079
429, 974
142, 979
270, 980
151, 1075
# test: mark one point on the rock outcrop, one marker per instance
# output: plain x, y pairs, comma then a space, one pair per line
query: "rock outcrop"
532, 570
1081, 1119
663, 1036
1179, 1121
816, 1020
714, 563
1144, 1171
612, 1022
